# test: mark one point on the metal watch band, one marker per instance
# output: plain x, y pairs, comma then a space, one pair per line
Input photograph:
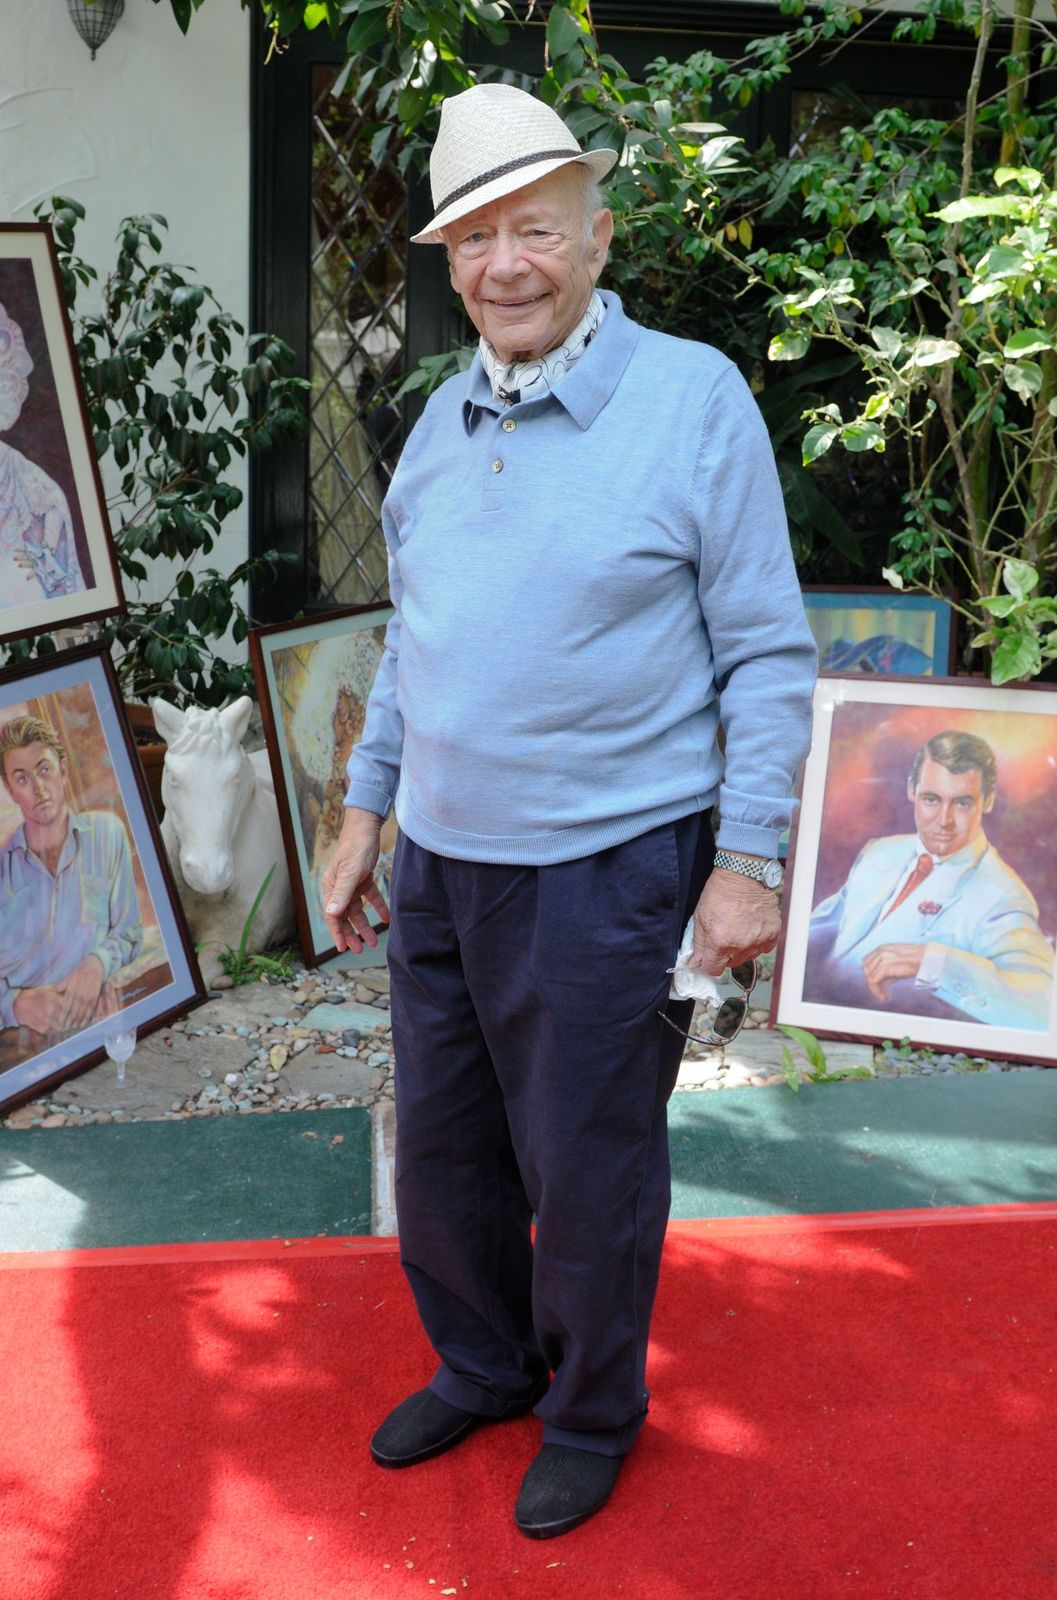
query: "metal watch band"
760, 870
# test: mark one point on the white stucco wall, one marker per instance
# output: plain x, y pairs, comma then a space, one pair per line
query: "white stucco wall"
157, 122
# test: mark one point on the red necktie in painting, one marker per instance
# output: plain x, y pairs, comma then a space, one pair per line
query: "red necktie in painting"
918, 876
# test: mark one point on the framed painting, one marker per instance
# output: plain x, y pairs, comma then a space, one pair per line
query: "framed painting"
881, 631
313, 678
57, 560
92, 936
921, 901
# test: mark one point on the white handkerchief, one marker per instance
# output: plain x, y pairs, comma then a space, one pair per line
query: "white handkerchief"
690, 983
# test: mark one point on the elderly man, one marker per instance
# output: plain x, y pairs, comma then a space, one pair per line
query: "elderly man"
69, 917
935, 921
587, 549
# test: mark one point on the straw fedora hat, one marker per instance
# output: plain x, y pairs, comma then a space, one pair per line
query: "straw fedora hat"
492, 140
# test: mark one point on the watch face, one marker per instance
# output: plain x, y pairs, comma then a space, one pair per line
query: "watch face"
773, 874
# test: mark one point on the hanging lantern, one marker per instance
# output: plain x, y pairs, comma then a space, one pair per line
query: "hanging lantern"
95, 22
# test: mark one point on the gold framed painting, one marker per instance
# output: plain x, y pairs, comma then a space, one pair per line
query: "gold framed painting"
313, 678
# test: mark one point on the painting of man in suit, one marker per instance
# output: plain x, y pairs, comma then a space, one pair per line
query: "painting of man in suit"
935, 922
69, 915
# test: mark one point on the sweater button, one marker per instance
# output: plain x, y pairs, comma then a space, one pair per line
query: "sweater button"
497, 465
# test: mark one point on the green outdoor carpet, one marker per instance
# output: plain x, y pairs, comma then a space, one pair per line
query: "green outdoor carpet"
886, 1144
892, 1143
298, 1174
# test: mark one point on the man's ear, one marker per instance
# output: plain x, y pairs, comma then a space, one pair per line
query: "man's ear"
910, 790
989, 803
601, 239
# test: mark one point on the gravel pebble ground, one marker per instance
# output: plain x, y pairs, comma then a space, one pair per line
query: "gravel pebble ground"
319, 1040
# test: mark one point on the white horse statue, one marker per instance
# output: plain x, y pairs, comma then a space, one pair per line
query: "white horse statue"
221, 830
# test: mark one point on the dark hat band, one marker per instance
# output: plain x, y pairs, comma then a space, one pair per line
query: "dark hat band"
500, 172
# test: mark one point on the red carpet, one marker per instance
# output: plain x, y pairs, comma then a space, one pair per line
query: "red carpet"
855, 1410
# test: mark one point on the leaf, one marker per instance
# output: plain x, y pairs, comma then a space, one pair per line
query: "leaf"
890, 575
1019, 577
888, 341
713, 156
807, 1042
858, 436
792, 1076
817, 441
1002, 261
368, 29
379, 144
999, 605
1024, 378
980, 205
700, 127
932, 352
789, 346
563, 33
984, 291
1027, 342
1028, 177
1018, 656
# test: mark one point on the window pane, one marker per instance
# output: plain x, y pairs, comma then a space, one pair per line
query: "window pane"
357, 290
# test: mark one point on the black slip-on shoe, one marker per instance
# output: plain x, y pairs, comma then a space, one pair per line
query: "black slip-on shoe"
562, 1488
424, 1425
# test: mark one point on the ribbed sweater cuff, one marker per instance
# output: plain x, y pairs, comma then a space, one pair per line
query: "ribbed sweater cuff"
367, 798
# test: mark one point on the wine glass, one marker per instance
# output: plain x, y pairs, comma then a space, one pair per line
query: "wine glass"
119, 1044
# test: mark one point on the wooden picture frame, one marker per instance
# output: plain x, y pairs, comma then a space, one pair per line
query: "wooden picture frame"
956, 955
58, 566
313, 677
85, 886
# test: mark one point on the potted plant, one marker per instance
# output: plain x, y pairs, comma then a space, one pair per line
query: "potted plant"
170, 413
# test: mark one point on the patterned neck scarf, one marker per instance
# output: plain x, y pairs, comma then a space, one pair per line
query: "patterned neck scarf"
528, 380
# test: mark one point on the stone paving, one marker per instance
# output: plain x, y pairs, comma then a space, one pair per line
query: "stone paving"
322, 1039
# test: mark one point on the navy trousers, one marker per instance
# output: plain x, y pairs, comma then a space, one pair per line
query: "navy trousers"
532, 1077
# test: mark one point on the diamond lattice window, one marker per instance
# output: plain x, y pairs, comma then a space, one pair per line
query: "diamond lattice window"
358, 282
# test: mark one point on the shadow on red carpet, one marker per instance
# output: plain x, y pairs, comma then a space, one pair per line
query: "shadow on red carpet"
848, 1412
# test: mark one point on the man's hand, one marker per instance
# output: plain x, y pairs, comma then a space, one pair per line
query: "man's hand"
80, 992
349, 882
891, 961
736, 919
40, 1009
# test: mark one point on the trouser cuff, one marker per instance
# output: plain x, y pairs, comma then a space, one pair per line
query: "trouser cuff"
485, 1402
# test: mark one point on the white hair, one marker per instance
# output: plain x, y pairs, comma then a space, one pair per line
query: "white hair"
594, 201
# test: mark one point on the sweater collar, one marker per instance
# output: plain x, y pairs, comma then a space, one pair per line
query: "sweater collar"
584, 390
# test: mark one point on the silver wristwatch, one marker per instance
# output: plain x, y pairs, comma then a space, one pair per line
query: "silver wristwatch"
769, 873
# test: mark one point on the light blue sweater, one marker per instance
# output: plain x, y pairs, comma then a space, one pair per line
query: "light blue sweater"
578, 581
